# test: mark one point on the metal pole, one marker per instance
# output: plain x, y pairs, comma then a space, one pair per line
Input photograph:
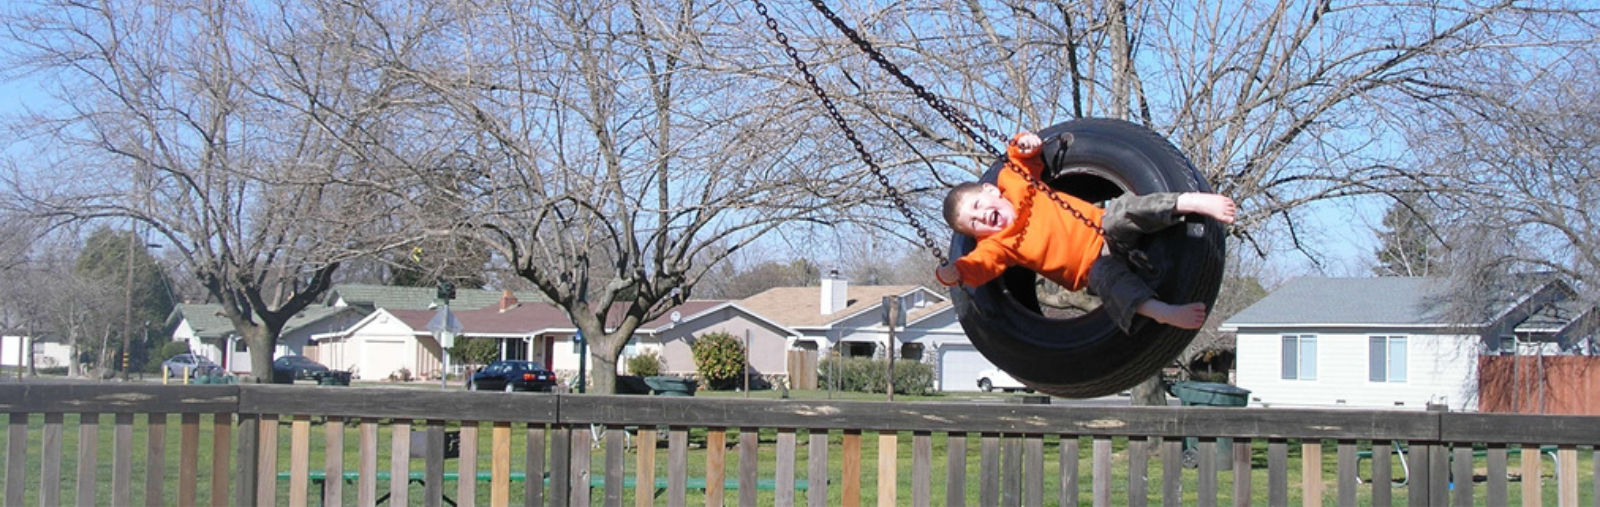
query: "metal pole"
747, 363
894, 307
127, 317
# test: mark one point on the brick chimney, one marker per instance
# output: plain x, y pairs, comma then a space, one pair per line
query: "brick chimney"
835, 291
507, 301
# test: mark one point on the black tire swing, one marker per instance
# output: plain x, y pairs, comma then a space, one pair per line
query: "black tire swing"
1094, 159
1088, 356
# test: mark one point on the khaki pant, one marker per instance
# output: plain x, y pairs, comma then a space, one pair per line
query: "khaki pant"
1126, 219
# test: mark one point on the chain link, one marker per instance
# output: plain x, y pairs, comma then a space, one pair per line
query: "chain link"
850, 134
963, 122
966, 124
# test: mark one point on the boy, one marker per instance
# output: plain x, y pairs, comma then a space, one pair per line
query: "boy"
1016, 225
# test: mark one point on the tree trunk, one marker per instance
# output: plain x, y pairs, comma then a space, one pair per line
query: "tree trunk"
603, 356
1150, 393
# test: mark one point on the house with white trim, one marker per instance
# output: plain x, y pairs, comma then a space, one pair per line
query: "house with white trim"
1392, 343
835, 318
210, 334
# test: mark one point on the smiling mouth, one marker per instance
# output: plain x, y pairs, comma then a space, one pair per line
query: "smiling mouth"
994, 218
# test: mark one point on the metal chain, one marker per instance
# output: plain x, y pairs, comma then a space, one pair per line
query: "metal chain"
962, 122
850, 134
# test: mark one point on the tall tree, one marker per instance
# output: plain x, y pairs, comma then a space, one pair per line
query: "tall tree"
120, 263
612, 151
1408, 244
244, 136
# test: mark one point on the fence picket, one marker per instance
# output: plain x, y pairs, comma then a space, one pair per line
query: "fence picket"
955, 486
922, 468
16, 458
155, 461
333, 461
783, 470
88, 456
299, 461
122, 458
1068, 463
1138, 472
50, 463
1532, 478
817, 469
533, 458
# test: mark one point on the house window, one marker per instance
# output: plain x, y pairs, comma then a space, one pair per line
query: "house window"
1300, 357
1386, 359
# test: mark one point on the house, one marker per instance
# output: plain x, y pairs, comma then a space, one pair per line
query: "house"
1398, 343
210, 334
837, 319
47, 351
388, 341
768, 343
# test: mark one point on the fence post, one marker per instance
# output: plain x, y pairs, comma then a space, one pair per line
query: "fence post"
244, 475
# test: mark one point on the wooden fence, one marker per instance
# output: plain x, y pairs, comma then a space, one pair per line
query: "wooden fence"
304, 445
1567, 385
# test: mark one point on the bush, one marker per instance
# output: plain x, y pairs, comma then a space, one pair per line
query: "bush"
646, 364
719, 359
475, 350
868, 375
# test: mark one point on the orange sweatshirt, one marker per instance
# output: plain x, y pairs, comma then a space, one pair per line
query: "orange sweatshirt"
1044, 238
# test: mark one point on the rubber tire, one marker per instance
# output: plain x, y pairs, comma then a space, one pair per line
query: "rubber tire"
985, 386
1088, 356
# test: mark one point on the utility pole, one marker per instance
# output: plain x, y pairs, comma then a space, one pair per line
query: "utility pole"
127, 315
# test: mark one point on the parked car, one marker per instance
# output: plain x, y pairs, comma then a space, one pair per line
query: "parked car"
512, 376
995, 378
191, 365
298, 367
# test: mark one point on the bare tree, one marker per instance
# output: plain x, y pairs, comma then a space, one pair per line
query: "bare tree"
1279, 104
612, 152
242, 135
1522, 161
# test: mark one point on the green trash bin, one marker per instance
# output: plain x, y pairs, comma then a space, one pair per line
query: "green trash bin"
671, 386
1209, 394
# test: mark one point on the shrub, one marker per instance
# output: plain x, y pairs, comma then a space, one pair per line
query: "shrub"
646, 364
719, 359
869, 376
475, 350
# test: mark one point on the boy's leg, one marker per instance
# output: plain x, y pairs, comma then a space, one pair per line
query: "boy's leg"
1120, 291
1124, 294
1130, 216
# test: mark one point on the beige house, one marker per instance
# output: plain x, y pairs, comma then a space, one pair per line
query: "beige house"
837, 319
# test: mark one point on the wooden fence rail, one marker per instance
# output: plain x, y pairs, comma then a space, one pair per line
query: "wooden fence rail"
300, 445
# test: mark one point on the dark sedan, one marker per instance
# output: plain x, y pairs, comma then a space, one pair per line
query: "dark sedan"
298, 367
511, 376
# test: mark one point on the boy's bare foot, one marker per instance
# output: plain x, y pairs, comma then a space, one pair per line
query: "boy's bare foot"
1216, 206
1189, 316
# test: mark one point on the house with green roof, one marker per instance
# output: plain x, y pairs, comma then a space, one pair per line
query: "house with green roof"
1396, 342
210, 334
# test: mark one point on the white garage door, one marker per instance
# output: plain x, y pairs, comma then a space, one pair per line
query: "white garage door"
959, 366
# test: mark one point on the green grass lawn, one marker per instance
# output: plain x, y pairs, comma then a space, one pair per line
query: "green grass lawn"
697, 458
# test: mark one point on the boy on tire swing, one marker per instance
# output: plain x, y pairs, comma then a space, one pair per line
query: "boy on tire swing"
1015, 225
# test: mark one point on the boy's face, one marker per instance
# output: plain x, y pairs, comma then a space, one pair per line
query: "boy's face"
985, 213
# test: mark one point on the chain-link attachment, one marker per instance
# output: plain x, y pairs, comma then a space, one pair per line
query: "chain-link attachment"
850, 134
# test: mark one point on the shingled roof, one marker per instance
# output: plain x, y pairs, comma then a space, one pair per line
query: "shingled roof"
208, 322
418, 298
802, 306
1375, 302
